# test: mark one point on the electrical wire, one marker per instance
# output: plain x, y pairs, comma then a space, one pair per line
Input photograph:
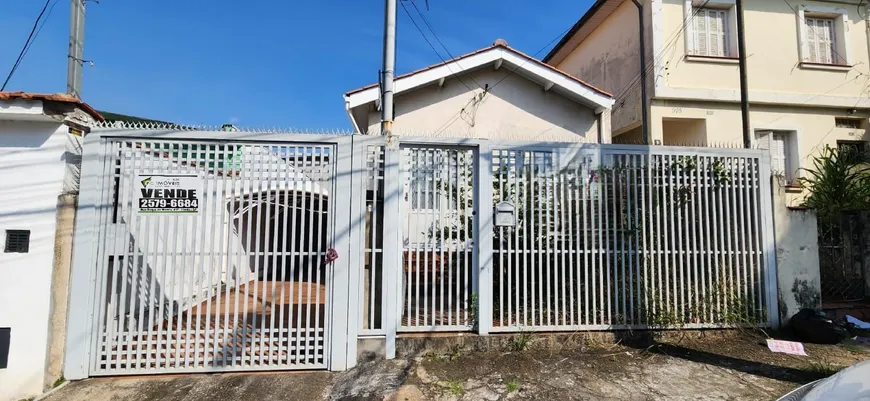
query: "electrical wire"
672, 39
453, 74
38, 30
435, 35
30, 37
455, 116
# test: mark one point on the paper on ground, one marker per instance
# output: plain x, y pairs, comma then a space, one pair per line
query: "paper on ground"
786, 347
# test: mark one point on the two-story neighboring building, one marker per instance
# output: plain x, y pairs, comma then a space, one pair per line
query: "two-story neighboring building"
807, 63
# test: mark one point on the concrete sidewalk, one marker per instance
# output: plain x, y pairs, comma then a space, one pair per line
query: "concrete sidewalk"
715, 368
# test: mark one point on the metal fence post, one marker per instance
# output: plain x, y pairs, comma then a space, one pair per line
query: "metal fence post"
342, 335
484, 222
83, 274
769, 242
357, 244
392, 256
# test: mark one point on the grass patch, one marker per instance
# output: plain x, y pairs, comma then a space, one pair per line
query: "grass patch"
513, 385
455, 387
823, 368
521, 341
58, 382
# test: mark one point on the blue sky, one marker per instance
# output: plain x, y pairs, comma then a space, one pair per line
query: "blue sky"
256, 62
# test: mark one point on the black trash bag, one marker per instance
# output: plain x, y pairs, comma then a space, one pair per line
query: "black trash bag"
813, 326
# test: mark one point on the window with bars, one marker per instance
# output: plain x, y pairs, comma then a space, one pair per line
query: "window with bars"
711, 34
821, 40
17, 241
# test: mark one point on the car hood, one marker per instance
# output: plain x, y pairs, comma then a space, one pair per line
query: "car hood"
850, 384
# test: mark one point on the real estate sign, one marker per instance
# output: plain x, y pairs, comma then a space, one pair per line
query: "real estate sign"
168, 194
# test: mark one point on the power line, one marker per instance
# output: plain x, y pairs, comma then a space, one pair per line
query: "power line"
453, 74
633, 84
429, 25
26, 45
38, 30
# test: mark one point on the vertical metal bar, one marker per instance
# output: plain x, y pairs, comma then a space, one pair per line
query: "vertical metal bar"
373, 238
610, 233
439, 224
670, 242
106, 322
740, 231
469, 238
625, 243
729, 231
271, 273
679, 233
286, 254
598, 215
549, 252
247, 229
324, 238
632, 256
537, 226
482, 179
137, 281
709, 245
499, 176
102, 243
755, 247
573, 259
311, 262
646, 191
429, 216
392, 256
213, 251
451, 222
123, 329
231, 274
585, 182
268, 166
527, 236
716, 237
238, 206
513, 246
204, 272
407, 158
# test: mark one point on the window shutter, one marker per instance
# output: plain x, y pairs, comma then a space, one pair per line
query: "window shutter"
777, 153
763, 140
827, 27
812, 40
701, 38
713, 30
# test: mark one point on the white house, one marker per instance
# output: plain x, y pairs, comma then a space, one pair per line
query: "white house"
35, 147
496, 92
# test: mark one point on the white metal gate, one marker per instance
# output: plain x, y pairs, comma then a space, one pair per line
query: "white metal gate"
244, 284
439, 259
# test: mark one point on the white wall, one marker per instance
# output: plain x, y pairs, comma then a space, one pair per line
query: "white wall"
609, 59
514, 109
31, 178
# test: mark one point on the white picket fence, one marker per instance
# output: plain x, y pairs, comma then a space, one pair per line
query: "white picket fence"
601, 237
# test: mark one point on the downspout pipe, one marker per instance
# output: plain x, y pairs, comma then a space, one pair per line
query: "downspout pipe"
644, 124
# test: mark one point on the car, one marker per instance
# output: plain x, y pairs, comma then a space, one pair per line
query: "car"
850, 384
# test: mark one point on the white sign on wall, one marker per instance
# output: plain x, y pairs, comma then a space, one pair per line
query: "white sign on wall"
168, 194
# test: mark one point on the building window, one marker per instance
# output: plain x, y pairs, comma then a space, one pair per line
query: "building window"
821, 40
711, 28
853, 146
711, 32
848, 123
17, 241
823, 35
781, 152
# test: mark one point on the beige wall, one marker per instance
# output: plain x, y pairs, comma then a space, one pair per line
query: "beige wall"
609, 59
773, 53
516, 109
684, 132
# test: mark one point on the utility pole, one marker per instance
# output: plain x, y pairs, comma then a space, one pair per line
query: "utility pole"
388, 69
75, 58
744, 85
644, 126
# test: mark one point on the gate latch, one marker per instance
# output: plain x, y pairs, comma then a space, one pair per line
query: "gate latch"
331, 256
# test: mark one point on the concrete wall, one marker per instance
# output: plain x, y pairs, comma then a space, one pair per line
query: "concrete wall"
516, 109
797, 256
609, 59
32, 170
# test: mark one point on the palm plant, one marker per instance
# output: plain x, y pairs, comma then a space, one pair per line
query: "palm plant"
838, 181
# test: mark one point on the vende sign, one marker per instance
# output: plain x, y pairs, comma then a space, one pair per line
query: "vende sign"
168, 193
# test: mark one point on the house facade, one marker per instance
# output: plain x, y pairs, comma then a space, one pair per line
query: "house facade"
38, 159
807, 64
496, 92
